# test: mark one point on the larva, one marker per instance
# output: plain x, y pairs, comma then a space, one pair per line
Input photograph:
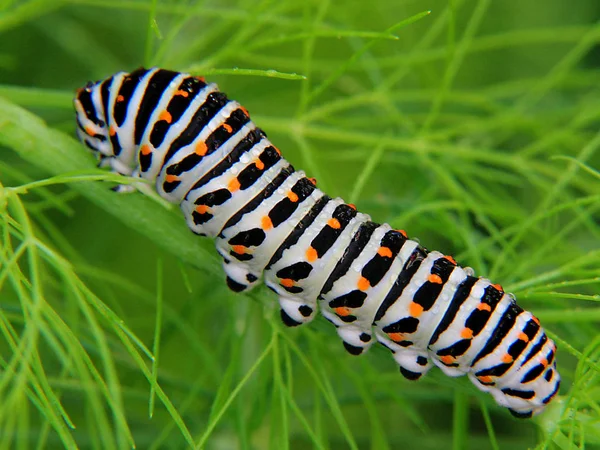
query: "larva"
271, 223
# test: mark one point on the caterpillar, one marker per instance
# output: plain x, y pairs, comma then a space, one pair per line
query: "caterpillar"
271, 223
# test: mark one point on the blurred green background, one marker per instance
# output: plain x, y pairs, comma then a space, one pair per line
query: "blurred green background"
474, 127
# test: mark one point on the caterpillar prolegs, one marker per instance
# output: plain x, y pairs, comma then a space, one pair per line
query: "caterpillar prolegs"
271, 223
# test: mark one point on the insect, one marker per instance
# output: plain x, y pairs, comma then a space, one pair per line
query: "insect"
271, 223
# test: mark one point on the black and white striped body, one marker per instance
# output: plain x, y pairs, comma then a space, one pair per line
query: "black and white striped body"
271, 223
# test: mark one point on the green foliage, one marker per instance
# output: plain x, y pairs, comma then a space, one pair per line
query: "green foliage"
475, 127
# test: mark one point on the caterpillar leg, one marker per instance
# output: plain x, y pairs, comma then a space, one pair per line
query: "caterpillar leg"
413, 363
238, 277
295, 312
355, 336
123, 188
116, 166
355, 339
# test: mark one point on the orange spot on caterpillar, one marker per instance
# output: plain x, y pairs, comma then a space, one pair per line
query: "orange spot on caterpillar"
352, 205
544, 362
259, 164
202, 209
292, 196
447, 359
201, 148
112, 131
201, 79
435, 279
498, 287
277, 150
171, 178
486, 379
342, 311
451, 259
311, 254
415, 309
334, 223
266, 223
507, 359
466, 333
120, 98
403, 233
245, 111
286, 282
396, 337
239, 249
145, 150
484, 307
227, 127
363, 284
313, 181
535, 319
182, 93
523, 337
233, 185
384, 252
90, 130
166, 116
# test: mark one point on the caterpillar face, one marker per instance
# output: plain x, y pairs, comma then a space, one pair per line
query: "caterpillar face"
91, 122
269, 221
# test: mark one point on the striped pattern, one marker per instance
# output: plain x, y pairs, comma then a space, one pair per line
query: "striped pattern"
270, 222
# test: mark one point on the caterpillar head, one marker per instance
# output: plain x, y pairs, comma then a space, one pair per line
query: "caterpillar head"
91, 121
